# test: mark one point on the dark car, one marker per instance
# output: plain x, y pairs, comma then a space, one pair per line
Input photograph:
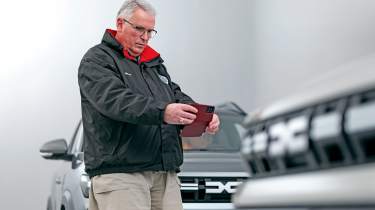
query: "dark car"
211, 171
316, 149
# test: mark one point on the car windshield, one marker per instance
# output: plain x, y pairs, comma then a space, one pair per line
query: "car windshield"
226, 139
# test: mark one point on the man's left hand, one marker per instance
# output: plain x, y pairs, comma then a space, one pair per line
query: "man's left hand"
213, 126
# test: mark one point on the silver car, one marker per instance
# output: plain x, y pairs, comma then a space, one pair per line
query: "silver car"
316, 149
211, 171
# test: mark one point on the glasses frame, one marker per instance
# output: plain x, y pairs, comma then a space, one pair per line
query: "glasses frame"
142, 30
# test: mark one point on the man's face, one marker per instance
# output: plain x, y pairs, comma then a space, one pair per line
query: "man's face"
129, 33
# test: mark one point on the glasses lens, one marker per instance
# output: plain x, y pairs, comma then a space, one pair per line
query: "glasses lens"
152, 33
141, 30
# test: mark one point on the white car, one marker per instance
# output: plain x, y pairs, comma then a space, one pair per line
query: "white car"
315, 149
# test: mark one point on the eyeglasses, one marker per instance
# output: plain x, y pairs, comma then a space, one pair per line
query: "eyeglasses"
141, 30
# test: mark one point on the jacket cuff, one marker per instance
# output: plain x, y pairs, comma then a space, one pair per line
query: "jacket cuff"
161, 107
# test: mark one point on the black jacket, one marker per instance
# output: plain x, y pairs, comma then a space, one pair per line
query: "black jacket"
123, 102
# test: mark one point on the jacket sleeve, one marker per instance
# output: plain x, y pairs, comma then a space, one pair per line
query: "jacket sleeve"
101, 85
180, 96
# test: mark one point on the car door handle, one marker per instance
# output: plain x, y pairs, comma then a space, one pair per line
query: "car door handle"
58, 181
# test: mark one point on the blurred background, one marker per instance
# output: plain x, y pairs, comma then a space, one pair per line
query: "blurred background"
252, 52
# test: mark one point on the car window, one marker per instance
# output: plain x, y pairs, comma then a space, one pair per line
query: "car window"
228, 138
76, 143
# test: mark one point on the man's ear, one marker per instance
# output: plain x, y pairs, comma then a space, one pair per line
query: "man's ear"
119, 24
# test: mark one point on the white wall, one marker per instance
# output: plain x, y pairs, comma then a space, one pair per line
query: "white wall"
298, 41
42, 42
207, 48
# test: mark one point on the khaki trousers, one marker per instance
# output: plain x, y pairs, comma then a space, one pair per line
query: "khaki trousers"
150, 190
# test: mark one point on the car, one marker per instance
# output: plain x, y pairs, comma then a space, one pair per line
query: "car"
211, 170
315, 149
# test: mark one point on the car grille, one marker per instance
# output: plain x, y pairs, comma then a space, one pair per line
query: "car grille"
208, 189
336, 132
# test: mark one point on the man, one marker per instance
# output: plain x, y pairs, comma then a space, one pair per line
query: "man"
132, 114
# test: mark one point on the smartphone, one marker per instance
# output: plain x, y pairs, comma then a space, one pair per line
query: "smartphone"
204, 117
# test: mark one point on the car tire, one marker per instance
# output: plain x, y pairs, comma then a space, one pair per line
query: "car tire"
49, 205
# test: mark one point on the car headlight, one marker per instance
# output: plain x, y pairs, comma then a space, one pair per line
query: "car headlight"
85, 185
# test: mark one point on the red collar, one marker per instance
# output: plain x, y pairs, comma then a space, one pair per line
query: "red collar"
148, 53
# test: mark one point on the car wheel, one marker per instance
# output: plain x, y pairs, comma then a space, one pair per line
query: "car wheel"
49, 205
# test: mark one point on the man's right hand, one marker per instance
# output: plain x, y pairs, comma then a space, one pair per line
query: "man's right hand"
181, 114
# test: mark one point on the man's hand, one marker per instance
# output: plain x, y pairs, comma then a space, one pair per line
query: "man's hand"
213, 126
181, 114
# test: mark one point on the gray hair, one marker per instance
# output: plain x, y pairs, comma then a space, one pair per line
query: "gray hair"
128, 7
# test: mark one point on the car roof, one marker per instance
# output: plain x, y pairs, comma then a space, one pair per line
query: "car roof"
229, 108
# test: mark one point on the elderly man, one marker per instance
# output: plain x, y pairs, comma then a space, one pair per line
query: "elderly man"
132, 114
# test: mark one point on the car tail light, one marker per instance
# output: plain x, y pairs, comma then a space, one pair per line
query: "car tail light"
85, 185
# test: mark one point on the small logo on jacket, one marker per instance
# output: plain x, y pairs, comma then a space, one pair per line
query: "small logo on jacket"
163, 79
127, 74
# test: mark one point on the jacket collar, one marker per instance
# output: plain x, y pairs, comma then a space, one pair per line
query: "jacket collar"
147, 55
